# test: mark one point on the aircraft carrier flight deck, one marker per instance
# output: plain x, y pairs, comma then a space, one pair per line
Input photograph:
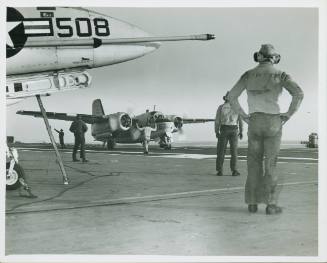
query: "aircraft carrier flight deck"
166, 203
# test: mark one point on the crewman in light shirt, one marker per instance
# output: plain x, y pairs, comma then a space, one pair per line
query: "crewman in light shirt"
146, 134
228, 126
263, 85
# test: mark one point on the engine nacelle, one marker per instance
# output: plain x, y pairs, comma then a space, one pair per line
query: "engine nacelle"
177, 120
119, 121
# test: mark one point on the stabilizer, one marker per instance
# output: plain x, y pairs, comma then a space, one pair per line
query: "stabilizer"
97, 108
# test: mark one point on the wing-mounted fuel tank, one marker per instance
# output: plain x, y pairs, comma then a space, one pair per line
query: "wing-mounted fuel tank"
21, 86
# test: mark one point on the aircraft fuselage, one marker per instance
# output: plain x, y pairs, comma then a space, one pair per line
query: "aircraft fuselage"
52, 39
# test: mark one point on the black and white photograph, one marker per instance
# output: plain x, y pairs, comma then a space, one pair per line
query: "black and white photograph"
164, 131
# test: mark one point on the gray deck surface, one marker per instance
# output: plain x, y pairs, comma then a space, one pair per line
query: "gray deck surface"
167, 203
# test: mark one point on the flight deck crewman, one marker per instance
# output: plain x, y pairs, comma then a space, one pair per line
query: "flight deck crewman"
264, 84
146, 134
61, 137
226, 128
79, 128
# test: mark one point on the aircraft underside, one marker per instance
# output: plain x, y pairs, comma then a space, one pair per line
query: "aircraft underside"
163, 140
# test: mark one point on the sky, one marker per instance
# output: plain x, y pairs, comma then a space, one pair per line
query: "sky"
190, 78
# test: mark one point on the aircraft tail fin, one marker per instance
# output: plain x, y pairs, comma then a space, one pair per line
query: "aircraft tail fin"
97, 108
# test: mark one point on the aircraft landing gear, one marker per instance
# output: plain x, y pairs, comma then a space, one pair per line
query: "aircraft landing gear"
13, 177
165, 143
111, 143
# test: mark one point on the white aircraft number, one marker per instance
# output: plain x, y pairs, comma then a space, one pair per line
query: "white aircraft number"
100, 26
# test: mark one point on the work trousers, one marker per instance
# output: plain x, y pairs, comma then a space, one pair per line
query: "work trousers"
228, 133
146, 146
61, 141
264, 138
79, 142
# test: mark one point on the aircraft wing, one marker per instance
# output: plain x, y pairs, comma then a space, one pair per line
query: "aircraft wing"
90, 119
189, 121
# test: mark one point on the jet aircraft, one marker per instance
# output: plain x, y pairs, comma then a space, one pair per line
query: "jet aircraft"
121, 128
49, 49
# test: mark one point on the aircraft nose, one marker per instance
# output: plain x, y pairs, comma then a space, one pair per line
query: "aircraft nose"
118, 46
124, 30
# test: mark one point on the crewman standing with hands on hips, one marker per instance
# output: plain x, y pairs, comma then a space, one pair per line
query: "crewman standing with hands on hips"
228, 127
79, 128
263, 85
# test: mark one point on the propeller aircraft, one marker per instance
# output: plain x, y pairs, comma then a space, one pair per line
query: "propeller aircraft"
50, 49
121, 128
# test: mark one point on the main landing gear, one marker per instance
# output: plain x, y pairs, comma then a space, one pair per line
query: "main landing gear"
111, 143
165, 143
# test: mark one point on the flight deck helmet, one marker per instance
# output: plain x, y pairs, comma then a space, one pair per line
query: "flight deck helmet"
267, 52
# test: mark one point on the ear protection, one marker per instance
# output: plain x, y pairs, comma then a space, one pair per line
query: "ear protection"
258, 57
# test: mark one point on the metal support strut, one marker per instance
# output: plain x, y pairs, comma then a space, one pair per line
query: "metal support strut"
45, 118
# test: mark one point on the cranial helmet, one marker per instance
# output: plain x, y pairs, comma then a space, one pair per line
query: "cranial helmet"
267, 52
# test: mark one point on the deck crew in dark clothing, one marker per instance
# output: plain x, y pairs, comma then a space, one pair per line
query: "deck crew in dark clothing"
79, 128
61, 138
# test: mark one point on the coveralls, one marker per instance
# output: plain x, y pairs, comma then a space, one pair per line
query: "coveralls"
263, 85
79, 128
226, 128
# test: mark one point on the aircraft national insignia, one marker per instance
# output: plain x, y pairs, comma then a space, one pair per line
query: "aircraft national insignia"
16, 37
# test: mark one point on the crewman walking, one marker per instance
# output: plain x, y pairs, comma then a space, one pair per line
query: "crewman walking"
228, 127
79, 128
61, 137
264, 84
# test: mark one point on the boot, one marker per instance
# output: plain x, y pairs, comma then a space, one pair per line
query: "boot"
273, 209
253, 208
236, 173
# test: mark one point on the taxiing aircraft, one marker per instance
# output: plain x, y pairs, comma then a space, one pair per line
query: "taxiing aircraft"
49, 49
121, 128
